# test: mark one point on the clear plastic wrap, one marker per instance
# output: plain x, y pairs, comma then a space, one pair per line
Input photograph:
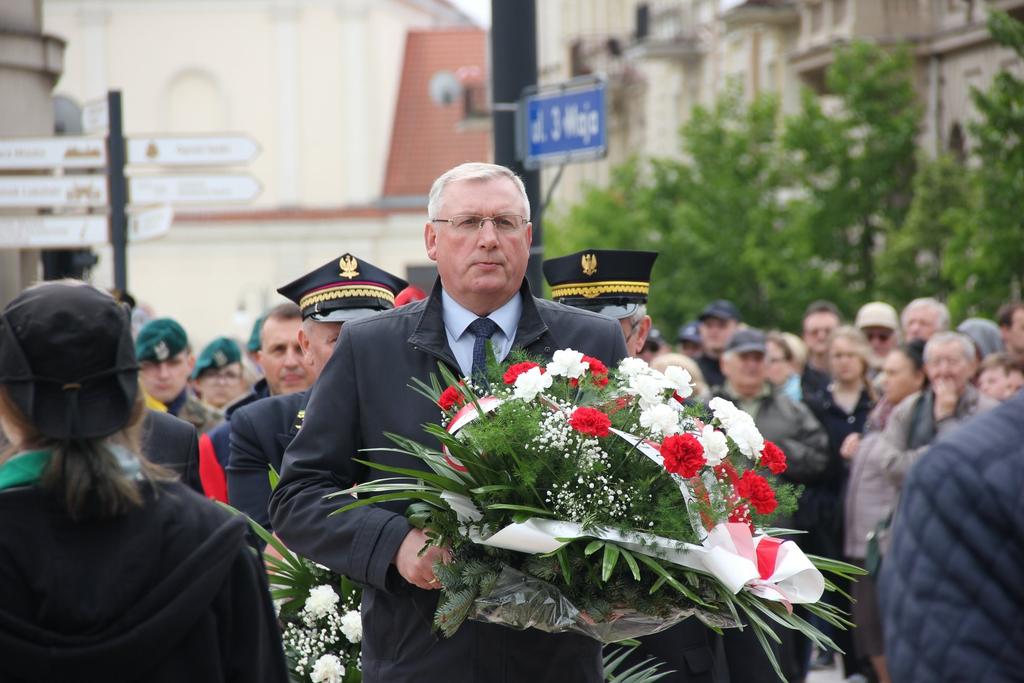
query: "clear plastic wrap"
520, 601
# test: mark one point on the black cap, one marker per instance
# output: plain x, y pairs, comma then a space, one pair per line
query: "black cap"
344, 289
722, 309
690, 332
747, 340
67, 360
609, 281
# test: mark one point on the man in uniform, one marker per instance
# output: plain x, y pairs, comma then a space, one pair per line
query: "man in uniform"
616, 283
479, 233
343, 289
165, 364
284, 372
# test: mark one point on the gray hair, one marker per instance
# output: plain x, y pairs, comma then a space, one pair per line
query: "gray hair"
933, 303
473, 171
637, 316
944, 338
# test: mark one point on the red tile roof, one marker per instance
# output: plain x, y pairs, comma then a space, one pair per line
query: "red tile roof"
428, 139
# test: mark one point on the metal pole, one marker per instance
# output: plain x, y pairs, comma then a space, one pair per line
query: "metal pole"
514, 67
117, 190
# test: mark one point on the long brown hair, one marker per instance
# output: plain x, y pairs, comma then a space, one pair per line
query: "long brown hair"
84, 476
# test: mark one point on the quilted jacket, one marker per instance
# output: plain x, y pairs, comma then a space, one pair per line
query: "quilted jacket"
952, 587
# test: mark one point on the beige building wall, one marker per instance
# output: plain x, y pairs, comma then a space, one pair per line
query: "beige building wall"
313, 81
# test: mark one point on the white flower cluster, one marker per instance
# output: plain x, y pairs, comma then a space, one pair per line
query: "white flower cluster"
740, 427
567, 363
589, 494
352, 626
328, 669
311, 642
321, 602
531, 383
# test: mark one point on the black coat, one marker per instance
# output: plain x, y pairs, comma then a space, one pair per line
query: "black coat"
173, 443
951, 593
260, 431
363, 393
167, 592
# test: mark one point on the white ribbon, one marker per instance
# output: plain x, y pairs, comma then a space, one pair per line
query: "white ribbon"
729, 553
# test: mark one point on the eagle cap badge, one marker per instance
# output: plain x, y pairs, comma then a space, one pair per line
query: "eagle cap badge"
161, 351
348, 265
589, 264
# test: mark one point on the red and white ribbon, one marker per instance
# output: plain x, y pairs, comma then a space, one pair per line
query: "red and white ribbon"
467, 414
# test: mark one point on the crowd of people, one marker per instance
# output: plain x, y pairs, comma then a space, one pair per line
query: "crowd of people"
99, 472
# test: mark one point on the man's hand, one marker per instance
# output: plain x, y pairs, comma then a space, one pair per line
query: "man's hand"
850, 445
946, 397
418, 569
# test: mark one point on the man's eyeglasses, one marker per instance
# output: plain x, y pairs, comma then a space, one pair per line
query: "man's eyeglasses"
880, 335
222, 376
505, 222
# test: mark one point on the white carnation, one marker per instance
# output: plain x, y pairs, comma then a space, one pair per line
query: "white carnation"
328, 669
352, 626
531, 383
567, 363
724, 411
715, 445
633, 366
680, 379
649, 388
321, 602
746, 436
660, 419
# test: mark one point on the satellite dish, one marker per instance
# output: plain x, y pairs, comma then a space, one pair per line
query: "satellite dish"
444, 88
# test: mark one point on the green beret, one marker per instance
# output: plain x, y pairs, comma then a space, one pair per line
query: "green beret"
160, 339
217, 354
254, 342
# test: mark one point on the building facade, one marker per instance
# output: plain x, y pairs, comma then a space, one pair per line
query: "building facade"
662, 58
315, 82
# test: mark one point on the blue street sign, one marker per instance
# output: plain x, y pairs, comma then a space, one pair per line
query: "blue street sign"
564, 124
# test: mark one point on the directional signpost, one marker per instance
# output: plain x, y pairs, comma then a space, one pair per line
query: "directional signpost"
193, 189
46, 191
205, 150
69, 152
564, 123
129, 199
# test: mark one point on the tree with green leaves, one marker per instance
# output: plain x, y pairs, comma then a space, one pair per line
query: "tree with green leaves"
986, 254
857, 163
716, 217
913, 262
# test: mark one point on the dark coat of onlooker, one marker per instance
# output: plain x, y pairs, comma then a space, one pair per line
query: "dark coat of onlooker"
951, 590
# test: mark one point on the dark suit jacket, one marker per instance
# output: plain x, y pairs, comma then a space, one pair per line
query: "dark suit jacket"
173, 443
363, 393
260, 431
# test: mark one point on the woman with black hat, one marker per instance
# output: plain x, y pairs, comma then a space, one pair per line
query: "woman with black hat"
109, 569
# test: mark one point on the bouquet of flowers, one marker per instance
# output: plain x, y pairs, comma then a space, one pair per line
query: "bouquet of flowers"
577, 498
318, 611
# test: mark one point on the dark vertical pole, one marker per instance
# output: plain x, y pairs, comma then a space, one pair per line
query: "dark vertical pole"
514, 67
117, 194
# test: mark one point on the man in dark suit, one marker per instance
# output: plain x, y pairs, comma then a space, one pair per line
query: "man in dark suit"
260, 431
479, 234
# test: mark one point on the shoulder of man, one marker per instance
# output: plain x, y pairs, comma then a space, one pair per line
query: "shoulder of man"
553, 311
387, 321
202, 416
267, 409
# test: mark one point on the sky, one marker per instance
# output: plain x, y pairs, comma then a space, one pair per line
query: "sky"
480, 10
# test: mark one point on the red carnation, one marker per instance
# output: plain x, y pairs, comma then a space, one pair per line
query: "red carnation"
590, 421
755, 488
683, 455
516, 370
451, 398
598, 373
773, 458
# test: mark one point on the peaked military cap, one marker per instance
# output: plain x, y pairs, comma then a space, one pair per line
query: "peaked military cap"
219, 353
344, 289
610, 281
160, 339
